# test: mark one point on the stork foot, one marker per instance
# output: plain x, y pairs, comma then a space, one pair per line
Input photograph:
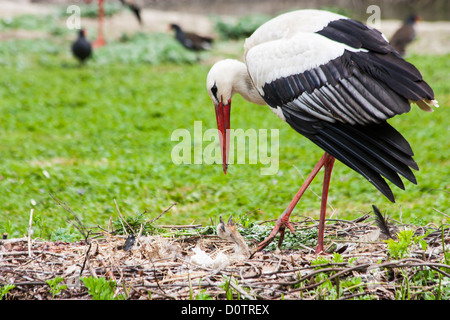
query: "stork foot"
283, 221
280, 227
319, 250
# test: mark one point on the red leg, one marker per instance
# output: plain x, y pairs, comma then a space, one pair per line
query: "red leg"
283, 220
323, 206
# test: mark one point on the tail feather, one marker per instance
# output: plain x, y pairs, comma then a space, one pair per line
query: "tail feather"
386, 154
388, 139
426, 104
382, 222
367, 172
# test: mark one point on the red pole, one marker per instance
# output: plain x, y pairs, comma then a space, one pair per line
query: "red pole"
100, 39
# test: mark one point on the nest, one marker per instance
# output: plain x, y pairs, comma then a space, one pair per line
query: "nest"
161, 267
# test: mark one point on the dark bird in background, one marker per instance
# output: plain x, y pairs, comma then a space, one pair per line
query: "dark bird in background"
405, 34
190, 40
133, 7
82, 48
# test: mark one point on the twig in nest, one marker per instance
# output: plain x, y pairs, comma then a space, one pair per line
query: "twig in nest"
381, 222
166, 210
154, 219
241, 290
107, 270
29, 233
77, 223
156, 276
85, 259
147, 222
120, 214
180, 226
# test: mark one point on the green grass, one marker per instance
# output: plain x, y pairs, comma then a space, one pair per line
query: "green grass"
89, 135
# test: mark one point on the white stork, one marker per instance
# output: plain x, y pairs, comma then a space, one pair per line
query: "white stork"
335, 81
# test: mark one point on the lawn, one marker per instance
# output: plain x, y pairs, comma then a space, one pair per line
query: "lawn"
94, 134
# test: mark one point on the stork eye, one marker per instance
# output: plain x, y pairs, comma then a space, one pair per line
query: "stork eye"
214, 91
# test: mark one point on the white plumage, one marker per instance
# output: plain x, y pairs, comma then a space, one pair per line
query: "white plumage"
272, 60
290, 24
289, 45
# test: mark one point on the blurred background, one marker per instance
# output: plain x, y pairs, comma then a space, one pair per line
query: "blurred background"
219, 18
395, 9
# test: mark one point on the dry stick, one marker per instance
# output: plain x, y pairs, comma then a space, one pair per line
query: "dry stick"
180, 226
441, 213
353, 296
154, 219
156, 278
29, 233
434, 266
166, 210
92, 270
80, 227
16, 240
19, 253
108, 270
120, 214
361, 266
419, 263
241, 291
85, 258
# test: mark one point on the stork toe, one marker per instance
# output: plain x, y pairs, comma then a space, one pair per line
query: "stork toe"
280, 227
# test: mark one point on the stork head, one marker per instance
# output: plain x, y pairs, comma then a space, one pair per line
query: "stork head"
226, 78
219, 84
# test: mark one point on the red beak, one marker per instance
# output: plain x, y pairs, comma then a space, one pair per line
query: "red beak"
223, 125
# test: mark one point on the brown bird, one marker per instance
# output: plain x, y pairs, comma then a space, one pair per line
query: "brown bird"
190, 40
405, 34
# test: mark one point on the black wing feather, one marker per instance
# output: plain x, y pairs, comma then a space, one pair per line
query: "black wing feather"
357, 35
382, 61
342, 105
382, 222
373, 156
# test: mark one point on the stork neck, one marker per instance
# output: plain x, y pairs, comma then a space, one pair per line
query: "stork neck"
243, 85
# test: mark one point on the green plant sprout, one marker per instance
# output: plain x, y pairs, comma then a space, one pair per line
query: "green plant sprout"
5, 289
400, 248
102, 289
334, 290
55, 286
202, 295
226, 285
